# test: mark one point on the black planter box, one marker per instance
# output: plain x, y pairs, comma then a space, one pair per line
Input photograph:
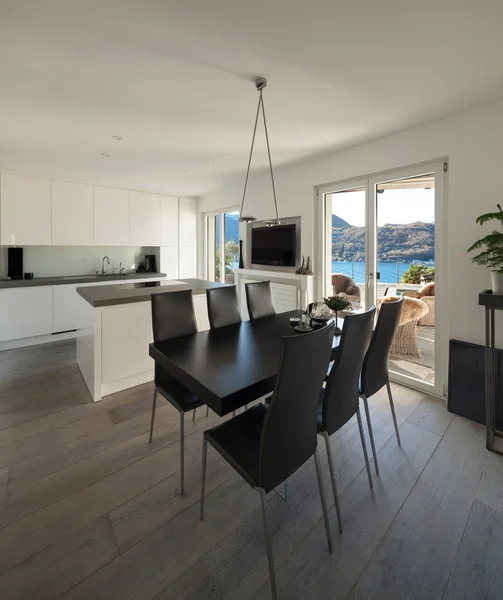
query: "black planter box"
467, 382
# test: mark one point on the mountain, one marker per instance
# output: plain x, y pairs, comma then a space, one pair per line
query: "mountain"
396, 243
231, 229
338, 222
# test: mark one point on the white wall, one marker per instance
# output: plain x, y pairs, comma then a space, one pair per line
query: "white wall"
54, 261
473, 144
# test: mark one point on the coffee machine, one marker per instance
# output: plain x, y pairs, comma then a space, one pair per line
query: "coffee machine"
150, 263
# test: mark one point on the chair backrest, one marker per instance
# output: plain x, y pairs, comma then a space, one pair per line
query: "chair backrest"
289, 433
173, 315
223, 306
259, 299
375, 365
341, 395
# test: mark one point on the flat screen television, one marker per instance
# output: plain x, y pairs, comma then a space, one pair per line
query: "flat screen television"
273, 245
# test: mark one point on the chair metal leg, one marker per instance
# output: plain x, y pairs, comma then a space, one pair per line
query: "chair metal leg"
207, 411
203, 477
332, 477
392, 406
371, 433
268, 544
364, 446
323, 500
182, 453
193, 415
153, 416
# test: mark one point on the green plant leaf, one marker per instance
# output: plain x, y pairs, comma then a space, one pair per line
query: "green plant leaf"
498, 216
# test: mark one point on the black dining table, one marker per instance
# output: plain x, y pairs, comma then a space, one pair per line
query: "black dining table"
230, 366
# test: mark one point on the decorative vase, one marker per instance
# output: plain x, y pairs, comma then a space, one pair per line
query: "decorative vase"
300, 270
241, 262
307, 270
497, 283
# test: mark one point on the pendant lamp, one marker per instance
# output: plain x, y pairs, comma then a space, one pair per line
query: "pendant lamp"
260, 84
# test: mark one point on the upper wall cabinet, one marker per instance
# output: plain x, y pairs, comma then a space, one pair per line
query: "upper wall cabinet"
188, 222
72, 214
111, 217
25, 211
169, 221
145, 220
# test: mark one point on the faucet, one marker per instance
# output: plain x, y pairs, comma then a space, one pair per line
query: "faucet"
121, 268
103, 264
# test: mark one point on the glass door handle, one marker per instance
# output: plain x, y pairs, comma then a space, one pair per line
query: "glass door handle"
370, 277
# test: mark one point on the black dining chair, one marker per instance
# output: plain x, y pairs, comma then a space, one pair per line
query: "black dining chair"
375, 373
340, 399
223, 306
259, 299
173, 316
267, 445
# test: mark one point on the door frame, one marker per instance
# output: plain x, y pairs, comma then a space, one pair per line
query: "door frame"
209, 237
440, 169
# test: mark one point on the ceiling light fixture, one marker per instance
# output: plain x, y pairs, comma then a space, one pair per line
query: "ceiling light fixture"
260, 84
116, 137
185, 170
104, 154
207, 160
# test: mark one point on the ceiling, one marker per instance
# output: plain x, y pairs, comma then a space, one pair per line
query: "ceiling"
174, 80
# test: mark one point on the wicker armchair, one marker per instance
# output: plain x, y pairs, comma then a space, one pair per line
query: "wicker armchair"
429, 317
342, 284
405, 341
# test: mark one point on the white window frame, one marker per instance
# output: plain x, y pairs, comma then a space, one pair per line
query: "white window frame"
220, 214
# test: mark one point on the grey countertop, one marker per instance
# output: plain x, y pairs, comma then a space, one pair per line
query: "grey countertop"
109, 295
69, 279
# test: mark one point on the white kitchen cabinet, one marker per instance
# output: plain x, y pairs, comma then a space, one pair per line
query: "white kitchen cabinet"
144, 219
187, 266
111, 217
125, 348
188, 222
169, 262
71, 311
25, 312
169, 221
72, 214
25, 211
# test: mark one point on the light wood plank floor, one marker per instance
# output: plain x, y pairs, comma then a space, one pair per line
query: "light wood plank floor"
89, 510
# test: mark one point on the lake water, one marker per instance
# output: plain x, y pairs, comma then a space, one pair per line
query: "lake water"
390, 272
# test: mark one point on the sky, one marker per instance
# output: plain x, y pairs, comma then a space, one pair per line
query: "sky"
393, 206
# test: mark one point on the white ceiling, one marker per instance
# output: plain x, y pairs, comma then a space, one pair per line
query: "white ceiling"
173, 77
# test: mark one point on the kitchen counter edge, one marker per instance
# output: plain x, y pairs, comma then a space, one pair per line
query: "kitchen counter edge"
112, 295
70, 280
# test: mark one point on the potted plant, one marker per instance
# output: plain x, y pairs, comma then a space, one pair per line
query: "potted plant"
336, 304
492, 255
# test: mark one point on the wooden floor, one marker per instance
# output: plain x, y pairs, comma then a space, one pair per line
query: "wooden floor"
89, 510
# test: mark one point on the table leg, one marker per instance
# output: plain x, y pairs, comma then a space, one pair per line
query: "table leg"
488, 376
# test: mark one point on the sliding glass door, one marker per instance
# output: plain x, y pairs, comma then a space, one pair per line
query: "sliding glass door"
383, 238
222, 241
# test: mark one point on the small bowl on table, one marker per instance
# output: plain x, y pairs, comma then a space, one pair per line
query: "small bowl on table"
295, 322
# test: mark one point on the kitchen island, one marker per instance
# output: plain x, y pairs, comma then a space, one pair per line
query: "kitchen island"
112, 355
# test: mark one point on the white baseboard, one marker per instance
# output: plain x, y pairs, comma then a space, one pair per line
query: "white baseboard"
126, 383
